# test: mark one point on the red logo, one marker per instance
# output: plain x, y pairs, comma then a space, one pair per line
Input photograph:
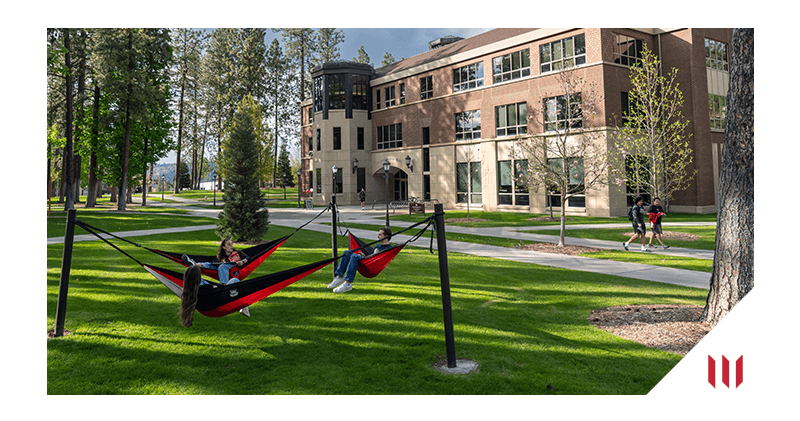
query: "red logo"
726, 374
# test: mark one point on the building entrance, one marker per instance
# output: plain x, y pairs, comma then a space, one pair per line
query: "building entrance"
400, 185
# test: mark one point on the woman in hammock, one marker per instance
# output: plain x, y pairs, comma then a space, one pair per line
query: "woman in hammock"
227, 257
192, 283
348, 265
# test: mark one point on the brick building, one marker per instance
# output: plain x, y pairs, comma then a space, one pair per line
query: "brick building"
445, 120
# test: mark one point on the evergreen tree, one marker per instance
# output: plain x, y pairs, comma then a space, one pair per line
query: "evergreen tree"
363, 57
387, 59
328, 40
184, 177
284, 169
241, 218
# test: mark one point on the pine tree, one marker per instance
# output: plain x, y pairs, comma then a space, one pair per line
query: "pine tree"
284, 169
363, 57
241, 218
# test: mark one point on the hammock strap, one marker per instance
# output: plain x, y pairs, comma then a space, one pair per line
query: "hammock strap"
90, 230
428, 220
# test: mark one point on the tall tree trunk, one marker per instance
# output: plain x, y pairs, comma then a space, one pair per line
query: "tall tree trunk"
67, 167
126, 148
91, 197
732, 274
177, 183
144, 177
219, 147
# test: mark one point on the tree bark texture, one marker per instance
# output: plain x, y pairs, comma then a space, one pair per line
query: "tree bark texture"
732, 275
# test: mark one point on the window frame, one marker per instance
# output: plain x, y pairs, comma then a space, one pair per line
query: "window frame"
503, 128
470, 125
390, 136
550, 63
717, 55
522, 70
468, 77
623, 57
426, 87
565, 104
474, 186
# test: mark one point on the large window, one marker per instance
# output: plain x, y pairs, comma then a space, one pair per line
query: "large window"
468, 125
377, 99
390, 96
426, 87
511, 187
390, 136
512, 66
319, 180
318, 93
336, 97
563, 111
468, 77
360, 89
360, 138
468, 182
319, 140
402, 93
627, 50
629, 107
575, 184
563, 53
337, 138
716, 55
338, 183
717, 104
511, 120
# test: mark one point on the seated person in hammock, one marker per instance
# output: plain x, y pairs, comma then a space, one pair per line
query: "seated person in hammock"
192, 283
227, 257
348, 265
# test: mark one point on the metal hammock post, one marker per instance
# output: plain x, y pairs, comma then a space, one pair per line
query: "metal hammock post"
66, 261
444, 274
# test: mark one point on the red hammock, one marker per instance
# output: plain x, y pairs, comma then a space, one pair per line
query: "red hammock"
257, 255
229, 298
371, 266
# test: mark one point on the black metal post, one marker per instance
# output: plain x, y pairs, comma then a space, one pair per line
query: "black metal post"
214, 186
386, 176
334, 239
66, 263
444, 274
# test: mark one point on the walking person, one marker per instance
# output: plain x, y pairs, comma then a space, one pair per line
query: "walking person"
362, 196
656, 212
636, 215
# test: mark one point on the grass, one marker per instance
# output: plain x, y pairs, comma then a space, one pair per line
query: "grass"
525, 325
113, 222
509, 219
678, 262
707, 235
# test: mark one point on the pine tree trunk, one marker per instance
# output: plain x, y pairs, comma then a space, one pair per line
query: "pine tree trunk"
126, 147
67, 165
91, 198
176, 187
732, 275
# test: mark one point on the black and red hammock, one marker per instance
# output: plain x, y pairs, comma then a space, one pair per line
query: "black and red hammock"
226, 299
371, 266
257, 254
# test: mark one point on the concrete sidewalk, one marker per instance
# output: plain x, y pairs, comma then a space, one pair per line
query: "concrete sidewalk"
293, 218
690, 278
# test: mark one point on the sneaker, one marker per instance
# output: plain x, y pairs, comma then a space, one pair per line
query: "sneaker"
665, 246
188, 260
347, 286
625, 245
245, 311
646, 249
337, 280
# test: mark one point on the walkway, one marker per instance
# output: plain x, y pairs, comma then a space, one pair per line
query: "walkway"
292, 217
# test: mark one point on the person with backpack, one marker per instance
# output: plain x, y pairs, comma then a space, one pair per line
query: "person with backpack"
656, 212
636, 216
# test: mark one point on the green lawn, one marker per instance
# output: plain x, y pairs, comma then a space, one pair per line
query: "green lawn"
526, 326
112, 222
509, 219
707, 235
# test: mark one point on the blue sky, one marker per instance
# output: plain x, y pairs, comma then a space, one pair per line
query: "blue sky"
399, 42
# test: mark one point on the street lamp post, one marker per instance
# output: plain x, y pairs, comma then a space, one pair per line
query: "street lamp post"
386, 167
334, 244
214, 186
298, 188
162, 188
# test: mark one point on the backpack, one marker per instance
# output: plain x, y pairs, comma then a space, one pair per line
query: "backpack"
630, 212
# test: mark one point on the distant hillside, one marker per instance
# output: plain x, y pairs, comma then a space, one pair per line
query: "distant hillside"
169, 172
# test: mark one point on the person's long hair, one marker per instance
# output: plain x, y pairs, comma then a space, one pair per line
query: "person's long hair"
191, 285
221, 255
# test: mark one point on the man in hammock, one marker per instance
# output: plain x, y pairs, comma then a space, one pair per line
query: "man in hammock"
348, 265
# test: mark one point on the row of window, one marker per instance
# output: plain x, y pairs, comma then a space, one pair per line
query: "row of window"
511, 188
553, 56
